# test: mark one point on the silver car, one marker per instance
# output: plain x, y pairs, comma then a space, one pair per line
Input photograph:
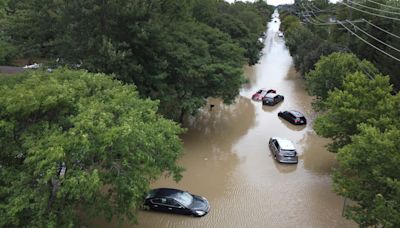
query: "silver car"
283, 150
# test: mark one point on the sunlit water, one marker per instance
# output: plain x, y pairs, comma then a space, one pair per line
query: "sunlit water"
228, 161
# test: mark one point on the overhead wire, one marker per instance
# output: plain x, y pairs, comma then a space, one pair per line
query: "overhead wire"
371, 8
383, 30
367, 12
316, 17
306, 15
365, 41
384, 5
373, 37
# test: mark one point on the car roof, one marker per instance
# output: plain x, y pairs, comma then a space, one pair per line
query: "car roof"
296, 113
271, 95
164, 192
285, 144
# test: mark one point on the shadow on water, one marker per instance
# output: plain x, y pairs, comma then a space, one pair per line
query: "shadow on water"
284, 168
315, 155
268, 108
291, 126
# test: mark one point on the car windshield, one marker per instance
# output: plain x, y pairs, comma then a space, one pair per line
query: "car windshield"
289, 152
269, 98
184, 198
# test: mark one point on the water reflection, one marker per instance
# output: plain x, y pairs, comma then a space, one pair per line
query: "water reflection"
316, 158
291, 126
284, 168
267, 108
228, 159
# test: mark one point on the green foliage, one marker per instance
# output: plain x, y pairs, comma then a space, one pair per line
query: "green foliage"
78, 143
31, 26
177, 52
368, 175
384, 63
311, 57
244, 22
7, 52
288, 22
305, 45
361, 100
331, 70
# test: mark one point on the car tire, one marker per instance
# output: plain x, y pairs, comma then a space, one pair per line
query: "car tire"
280, 114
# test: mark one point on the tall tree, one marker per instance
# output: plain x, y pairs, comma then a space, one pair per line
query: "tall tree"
361, 100
78, 143
368, 175
331, 70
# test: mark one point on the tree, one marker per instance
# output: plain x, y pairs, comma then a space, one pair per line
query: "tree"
7, 50
31, 26
361, 100
78, 143
244, 22
368, 175
331, 70
310, 58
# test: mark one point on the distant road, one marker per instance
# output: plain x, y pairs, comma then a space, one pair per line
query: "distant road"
10, 69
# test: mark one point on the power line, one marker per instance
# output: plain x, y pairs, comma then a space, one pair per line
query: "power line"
308, 10
388, 6
383, 30
311, 4
365, 41
371, 8
379, 15
373, 37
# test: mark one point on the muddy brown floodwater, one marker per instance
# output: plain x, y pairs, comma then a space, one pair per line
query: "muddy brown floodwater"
228, 161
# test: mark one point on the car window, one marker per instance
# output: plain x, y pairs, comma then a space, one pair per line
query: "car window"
159, 201
292, 116
276, 144
184, 198
173, 203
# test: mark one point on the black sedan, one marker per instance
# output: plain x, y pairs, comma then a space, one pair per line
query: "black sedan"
176, 201
272, 99
293, 117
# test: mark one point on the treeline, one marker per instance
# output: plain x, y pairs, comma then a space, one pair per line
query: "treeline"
358, 110
79, 144
177, 52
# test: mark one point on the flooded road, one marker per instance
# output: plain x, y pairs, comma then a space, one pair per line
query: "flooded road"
228, 161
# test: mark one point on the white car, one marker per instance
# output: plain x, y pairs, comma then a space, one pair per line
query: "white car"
33, 66
280, 34
283, 150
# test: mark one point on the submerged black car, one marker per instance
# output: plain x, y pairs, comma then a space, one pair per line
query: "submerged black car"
293, 117
272, 99
176, 201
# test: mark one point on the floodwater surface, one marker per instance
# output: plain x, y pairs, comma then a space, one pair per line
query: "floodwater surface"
228, 161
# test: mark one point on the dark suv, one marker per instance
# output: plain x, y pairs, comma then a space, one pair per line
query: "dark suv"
272, 99
283, 150
293, 117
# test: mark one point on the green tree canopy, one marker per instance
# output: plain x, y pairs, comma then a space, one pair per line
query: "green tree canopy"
177, 52
361, 100
368, 174
331, 70
78, 143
